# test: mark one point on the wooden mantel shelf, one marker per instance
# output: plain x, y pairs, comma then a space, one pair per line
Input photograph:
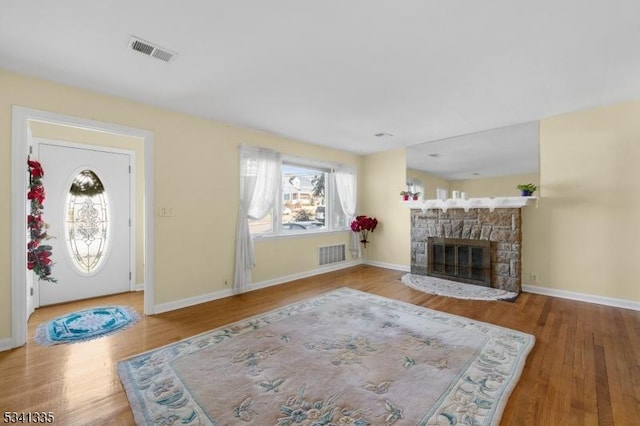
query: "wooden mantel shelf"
490, 203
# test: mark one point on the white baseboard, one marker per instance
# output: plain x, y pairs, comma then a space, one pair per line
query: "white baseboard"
190, 301
306, 274
196, 300
6, 344
139, 287
385, 265
582, 297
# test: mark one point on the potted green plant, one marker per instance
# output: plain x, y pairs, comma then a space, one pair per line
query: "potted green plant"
405, 195
527, 189
415, 196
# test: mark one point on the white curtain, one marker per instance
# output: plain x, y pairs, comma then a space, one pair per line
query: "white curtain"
346, 187
259, 181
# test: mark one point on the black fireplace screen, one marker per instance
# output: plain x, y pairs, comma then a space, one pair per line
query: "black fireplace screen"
467, 261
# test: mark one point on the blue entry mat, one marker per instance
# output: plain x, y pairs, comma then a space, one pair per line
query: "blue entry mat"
85, 325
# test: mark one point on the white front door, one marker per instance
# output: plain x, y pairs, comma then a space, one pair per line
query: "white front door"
88, 209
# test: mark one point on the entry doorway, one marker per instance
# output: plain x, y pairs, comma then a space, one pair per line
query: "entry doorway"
91, 216
21, 278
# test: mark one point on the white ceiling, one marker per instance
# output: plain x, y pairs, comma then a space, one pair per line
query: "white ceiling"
333, 72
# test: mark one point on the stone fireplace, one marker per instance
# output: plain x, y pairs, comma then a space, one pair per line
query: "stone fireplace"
499, 230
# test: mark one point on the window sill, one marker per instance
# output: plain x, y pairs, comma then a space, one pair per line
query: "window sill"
298, 234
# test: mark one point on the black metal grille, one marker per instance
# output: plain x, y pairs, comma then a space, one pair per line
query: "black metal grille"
467, 261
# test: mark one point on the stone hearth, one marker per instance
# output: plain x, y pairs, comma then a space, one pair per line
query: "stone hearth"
502, 227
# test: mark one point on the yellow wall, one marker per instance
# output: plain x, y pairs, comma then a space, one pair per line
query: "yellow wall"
430, 183
277, 257
91, 137
481, 187
494, 186
587, 219
196, 174
5, 213
383, 177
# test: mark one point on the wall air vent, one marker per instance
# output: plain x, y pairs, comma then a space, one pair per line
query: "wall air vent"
331, 254
150, 49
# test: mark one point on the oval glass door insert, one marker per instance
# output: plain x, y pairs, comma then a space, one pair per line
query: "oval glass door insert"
87, 222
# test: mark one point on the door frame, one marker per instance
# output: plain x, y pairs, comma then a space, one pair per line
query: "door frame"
21, 116
35, 141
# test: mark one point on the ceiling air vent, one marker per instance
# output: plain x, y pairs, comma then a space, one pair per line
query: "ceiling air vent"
150, 49
382, 135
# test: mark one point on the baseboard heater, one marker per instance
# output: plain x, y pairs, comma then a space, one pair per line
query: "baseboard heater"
331, 254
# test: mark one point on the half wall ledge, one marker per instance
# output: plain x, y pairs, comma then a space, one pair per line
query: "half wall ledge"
490, 203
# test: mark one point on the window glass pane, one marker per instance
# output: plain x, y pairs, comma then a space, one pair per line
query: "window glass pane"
87, 222
303, 198
308, 202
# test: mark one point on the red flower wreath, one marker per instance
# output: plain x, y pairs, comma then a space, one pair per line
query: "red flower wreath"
38, 255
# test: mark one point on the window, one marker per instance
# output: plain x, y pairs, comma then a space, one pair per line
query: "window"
306, 202
86, 224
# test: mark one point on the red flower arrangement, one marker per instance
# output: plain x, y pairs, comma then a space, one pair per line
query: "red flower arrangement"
364, 225
38, 255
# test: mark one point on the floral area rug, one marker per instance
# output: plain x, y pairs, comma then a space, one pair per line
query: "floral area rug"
441, 287
85, 325
342, 358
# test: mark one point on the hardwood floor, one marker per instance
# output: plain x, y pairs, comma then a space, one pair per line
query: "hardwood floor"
583, 370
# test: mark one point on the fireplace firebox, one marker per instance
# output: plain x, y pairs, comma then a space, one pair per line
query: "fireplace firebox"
463, 260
